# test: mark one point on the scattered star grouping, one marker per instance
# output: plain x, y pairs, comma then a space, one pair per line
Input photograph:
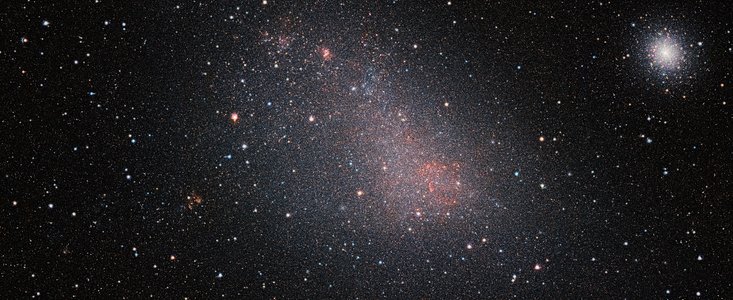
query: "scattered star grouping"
366, 149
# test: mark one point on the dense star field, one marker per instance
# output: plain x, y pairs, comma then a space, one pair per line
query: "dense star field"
366, 149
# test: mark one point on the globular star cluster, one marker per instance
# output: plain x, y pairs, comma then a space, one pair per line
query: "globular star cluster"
366, 149
666, 53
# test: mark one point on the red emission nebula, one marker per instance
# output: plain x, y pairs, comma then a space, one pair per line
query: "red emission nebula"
442, 181
425, 190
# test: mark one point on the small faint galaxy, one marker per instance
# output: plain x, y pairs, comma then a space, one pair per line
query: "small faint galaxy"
366, 149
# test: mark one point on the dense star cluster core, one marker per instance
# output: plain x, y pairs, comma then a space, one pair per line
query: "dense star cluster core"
366, 149
667, 54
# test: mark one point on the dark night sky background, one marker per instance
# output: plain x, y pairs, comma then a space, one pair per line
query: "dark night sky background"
366, 149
